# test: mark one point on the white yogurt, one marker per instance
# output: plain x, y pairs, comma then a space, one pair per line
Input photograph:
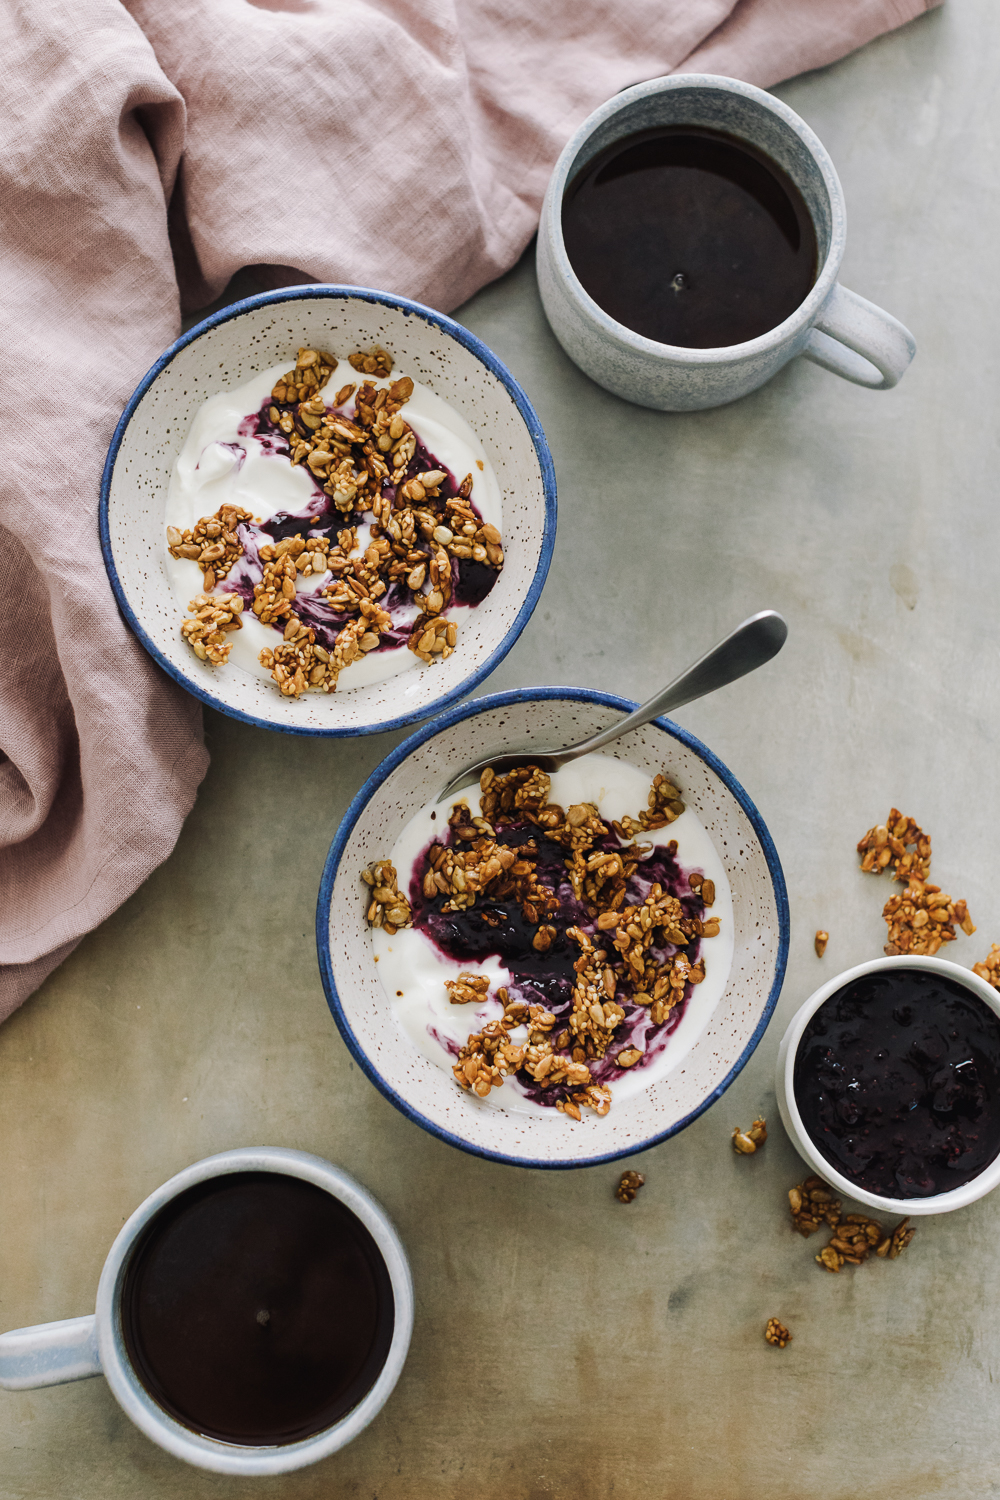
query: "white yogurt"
413, 969
209, 473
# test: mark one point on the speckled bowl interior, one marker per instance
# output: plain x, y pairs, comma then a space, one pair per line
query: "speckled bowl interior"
405, 782
226, 350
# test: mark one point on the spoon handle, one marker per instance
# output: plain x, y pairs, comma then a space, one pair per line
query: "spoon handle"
747, 647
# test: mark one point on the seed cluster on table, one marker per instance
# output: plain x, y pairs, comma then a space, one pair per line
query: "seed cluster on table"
921, 917
629, 1186
854, 1236
746, 1142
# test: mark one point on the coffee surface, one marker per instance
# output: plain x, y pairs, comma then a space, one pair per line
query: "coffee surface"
690, 237
897, 1080
257, 1309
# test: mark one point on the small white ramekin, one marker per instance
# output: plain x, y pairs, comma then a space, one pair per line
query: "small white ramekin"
940, 1203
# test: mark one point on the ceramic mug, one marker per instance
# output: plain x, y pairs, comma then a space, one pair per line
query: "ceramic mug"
833, 327
53, 1353
791, 1118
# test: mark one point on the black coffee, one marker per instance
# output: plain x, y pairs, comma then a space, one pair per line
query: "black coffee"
690, 237
897, 1080
257, 1309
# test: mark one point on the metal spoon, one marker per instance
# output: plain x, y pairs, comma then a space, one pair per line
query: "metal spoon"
747, 647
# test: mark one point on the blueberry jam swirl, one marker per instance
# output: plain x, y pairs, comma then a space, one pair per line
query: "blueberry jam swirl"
897, 1079
599, 933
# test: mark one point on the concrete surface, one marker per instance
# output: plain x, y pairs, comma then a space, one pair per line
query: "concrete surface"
567, 1346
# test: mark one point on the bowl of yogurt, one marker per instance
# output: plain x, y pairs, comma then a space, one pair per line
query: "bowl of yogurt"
552, 971
328, 510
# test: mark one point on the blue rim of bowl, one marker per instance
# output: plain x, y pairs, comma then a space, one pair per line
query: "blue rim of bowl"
396, 758
320, 291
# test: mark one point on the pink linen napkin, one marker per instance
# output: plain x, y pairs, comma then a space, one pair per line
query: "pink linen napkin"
402, 144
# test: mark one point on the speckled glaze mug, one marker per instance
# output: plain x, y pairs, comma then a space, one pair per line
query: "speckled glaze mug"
77, 1348
832, 327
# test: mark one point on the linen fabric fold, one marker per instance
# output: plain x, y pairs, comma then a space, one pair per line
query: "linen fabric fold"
151, 151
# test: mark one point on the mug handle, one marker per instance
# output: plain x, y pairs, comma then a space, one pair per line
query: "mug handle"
855, 339
49, 1354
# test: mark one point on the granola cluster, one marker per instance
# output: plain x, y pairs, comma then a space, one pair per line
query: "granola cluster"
365, 462
377, 361
776, 1333
854, 1237
664, 806
746, 1142
389, 908
628, 1187
312, 371
487, 1058
215, 616
213, 543
630, 953
900, 842
989, 969
466, 988
921, 917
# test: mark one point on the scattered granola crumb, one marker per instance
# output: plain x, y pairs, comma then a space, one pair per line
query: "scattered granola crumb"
853, 1240
891, 842
901, 1237
854, 1236
989, 969
628, 1187
776, 1333
747, 1141
820, 941
389, 908
812, 1203
857, 1236
922, 917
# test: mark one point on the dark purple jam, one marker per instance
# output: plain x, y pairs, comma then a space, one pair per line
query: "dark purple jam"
501, 929
897, 1079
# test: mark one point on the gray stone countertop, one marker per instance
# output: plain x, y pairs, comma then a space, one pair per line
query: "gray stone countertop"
566, 1345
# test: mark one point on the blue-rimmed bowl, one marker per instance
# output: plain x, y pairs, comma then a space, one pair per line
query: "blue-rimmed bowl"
706, 1062
225, 351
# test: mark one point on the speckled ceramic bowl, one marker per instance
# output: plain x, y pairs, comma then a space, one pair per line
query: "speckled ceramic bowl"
426, 1093
226, 350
